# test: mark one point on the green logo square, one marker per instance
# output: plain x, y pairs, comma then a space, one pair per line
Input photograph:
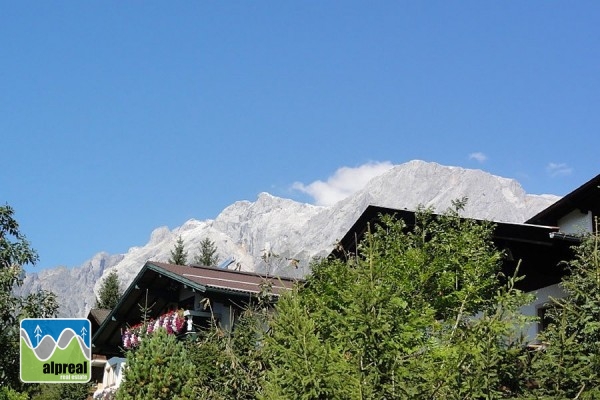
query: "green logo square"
55, 350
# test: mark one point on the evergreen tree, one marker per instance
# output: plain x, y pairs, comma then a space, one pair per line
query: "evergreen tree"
72, 391
178, 254
158, 369
109, 293
397, 320
207, 256
15, 252
569, 365
303, 365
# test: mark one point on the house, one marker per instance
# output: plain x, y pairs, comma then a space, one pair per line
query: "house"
182, 299
111, 378
96, 316
574, 213
200, 293
540, 244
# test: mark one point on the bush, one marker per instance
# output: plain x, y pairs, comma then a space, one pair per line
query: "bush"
7, 393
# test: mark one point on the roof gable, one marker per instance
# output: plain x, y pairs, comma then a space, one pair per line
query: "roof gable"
540, 249
585, 198
159, 285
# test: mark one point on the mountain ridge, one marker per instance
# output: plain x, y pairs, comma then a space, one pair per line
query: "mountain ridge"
247, 230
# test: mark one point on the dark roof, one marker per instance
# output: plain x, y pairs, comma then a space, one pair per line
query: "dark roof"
215, 279
367, 219
159, 285
539, 248
371, 216
98, 315
585, 198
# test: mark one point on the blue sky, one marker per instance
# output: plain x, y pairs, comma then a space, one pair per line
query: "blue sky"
119, 117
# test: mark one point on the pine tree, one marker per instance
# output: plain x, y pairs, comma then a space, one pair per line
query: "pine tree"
178, 254
396, 320
159, 368
109, 293
207, 256
303, 365
569, 366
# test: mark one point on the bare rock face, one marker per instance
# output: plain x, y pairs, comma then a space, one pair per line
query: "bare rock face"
280, 236
72, 286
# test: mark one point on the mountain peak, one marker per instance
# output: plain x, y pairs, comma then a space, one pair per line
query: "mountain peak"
419, 183
299, 231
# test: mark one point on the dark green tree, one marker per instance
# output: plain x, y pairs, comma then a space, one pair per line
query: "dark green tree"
71, 391
7, 393
110, 292
569, 365
208, 253
302, 364
178, 254
397, 320
158, 369
15, 252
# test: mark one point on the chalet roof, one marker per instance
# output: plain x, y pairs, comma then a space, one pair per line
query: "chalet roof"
98, 315
586, 197
225, 280
540, 249
531, 233
159, 285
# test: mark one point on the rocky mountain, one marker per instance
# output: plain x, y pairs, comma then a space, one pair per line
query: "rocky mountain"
265, 235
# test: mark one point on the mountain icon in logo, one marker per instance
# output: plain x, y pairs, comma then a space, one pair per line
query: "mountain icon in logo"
55, 350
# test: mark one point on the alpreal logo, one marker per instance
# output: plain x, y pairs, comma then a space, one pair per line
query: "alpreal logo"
56, 350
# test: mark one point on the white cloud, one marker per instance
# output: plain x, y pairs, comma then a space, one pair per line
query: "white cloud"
558, 169
478, 156
342, 183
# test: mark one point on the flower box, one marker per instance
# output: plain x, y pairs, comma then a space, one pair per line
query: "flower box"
173, 322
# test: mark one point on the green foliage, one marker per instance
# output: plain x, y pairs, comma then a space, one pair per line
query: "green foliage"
208, 253
569, 366
304, 366
15, 252
482, 357
397, 320
7, 393
158, 369
230, 362
66, 391
418, 313
14, 247
109, 293
178, 254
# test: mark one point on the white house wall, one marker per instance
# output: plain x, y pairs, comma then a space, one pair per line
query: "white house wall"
542, 299
576, 222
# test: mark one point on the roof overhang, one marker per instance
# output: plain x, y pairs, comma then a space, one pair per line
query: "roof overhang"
584, 198
159, 285
539, 250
